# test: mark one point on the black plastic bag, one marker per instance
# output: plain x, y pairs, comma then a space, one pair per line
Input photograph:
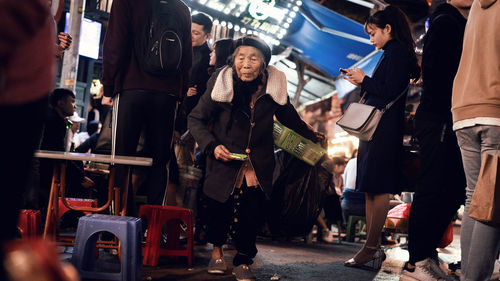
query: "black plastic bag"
298, 193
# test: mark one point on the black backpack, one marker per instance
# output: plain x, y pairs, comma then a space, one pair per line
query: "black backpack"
158, 45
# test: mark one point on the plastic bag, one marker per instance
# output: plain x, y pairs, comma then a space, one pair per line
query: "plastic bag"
298, 192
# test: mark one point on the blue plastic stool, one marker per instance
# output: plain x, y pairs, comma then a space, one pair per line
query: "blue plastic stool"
129, 232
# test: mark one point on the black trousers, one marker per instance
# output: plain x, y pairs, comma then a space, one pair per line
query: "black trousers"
440, 188
243, 212
154, 113
21, 127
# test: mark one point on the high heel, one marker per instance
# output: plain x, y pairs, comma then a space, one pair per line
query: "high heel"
375, 263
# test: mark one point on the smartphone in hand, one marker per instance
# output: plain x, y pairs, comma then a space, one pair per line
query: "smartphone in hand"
343, 71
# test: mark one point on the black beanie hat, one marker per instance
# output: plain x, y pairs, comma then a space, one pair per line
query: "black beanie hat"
255, 42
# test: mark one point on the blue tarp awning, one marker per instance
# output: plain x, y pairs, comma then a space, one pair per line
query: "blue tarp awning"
327, 40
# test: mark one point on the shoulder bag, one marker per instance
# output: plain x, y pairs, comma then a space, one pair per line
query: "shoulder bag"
361, 120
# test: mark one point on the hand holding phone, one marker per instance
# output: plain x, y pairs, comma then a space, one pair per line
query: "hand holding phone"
343, 71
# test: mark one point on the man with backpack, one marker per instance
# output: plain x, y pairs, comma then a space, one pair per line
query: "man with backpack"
147, 56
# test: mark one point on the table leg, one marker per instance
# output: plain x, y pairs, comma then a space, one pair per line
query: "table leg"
125, 192
116, 211
60, 194
54, 191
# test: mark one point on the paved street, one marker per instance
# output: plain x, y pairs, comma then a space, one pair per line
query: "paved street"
295, 261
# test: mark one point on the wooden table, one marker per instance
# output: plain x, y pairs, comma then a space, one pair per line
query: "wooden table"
58, 185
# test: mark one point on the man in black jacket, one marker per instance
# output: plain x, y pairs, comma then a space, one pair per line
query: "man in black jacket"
201, 28
441, 184
55, 132
146, 101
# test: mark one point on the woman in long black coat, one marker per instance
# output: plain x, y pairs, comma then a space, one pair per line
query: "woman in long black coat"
379, 160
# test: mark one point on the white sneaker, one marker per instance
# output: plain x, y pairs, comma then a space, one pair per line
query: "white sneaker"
327, 236
426, 270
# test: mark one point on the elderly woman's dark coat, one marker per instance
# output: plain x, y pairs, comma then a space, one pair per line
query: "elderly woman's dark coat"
242, 131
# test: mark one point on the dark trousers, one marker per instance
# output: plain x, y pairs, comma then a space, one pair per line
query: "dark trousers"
154, 113
440, 188
21, 127
243, 212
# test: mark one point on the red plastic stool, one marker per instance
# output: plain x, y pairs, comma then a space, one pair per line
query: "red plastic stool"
29, 224
156, 217
77, 202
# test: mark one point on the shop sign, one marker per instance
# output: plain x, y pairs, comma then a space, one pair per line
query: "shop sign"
269, 17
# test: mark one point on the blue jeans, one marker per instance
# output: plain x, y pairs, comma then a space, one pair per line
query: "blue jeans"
479, 242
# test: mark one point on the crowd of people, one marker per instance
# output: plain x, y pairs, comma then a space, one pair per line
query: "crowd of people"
457, 120
216, 110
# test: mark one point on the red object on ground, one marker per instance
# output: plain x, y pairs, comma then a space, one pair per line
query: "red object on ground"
156, 217
77, 202
447, 236
29, 224
398, 217
401, 211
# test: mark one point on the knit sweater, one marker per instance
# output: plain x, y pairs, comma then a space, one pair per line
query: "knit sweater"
476, 89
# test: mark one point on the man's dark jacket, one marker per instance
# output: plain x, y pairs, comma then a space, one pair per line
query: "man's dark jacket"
236, 133
199, 78
199, 74
120, 68
54, 132
442, 51
53, 136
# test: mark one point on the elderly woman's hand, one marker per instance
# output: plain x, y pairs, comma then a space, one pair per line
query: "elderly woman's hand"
222, 153
355, 76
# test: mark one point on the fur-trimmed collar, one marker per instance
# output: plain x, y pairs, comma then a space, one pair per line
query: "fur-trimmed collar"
276, 85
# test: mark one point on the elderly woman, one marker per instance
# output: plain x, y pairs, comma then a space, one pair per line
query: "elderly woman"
240, 103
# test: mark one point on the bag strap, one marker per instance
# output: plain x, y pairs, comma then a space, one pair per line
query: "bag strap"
389, 104
362, 97
396, 99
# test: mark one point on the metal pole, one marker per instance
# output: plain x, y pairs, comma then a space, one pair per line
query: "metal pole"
70, 61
